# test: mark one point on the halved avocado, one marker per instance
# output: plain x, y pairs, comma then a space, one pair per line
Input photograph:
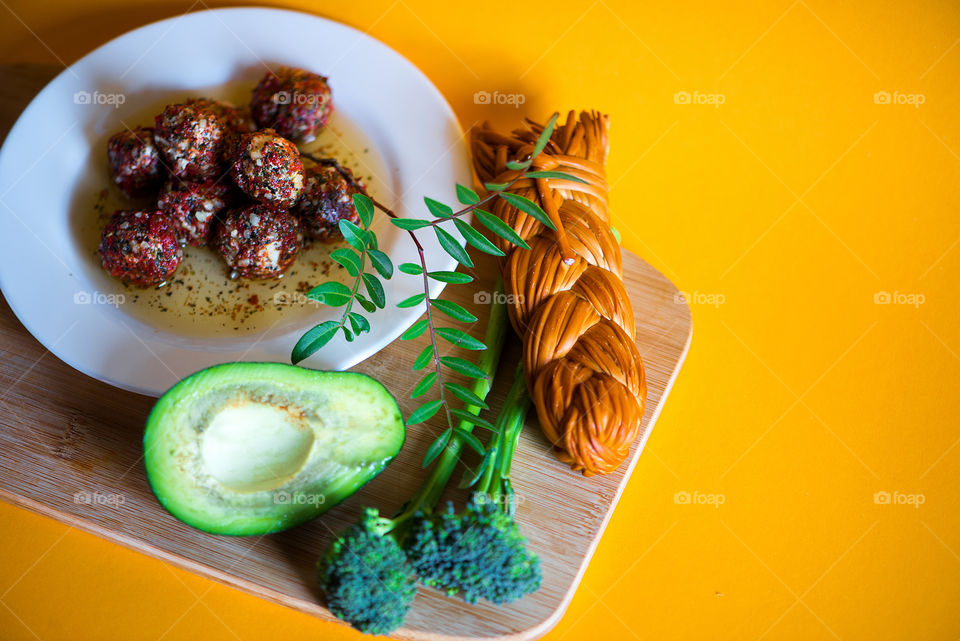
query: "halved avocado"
254, 448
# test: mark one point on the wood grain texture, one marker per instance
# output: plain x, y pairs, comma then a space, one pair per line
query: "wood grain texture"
64, 435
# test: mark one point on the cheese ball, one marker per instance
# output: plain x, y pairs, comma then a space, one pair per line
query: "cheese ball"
193, 141
140, 247
294, 102
326, 199
135, 162
258, 241
239, 120
193, 207
267, 168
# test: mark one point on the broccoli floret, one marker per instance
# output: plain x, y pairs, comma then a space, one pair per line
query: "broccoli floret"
367, 578
478, 553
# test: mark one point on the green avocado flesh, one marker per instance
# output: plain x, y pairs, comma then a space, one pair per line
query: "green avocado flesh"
254, 448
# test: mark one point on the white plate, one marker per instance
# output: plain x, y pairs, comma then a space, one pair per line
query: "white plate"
54, 159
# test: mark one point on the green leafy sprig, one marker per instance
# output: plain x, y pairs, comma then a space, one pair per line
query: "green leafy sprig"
367, 264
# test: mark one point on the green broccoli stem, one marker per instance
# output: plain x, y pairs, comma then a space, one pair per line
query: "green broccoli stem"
495, 481
494, 338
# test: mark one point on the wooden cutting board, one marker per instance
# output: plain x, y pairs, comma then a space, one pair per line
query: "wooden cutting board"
64, 435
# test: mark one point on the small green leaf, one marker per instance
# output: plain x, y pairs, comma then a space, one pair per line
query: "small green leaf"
411, 268
437, 208
518, 165
415, 330
347, 333
463, 366
424, 385
460, 338
364, 207
409, 223
473, 419
616, 234
425, 412
348, 258
358, 323
451, 277
477, 239
424, 358
355, 236
469, 439
381, 262
452, 247
495, 186
413, 301
365, 303
529, 207
313, 340
500, 228
467, 196
436, 447
332, 293
544, 136
465, 395
454, 311
374, 289
554, 174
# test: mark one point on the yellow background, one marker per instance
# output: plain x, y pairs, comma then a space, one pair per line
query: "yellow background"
782, 212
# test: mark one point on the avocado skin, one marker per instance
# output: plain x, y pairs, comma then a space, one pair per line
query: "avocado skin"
374, 444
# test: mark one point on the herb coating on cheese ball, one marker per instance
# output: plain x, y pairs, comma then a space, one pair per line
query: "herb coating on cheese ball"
193, 141
294, 102
140, 247
135, 162
326, 199
193, 207
267, 168
239, 120
257, 241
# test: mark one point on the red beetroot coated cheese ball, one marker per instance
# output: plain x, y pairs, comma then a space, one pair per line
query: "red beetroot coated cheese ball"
237, 119
193, 141
258, 241
267, 168
140, 247
326, 199
193, 207
292, 101
135, 162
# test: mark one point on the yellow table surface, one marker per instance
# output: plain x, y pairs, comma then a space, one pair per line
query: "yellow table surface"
813, 428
